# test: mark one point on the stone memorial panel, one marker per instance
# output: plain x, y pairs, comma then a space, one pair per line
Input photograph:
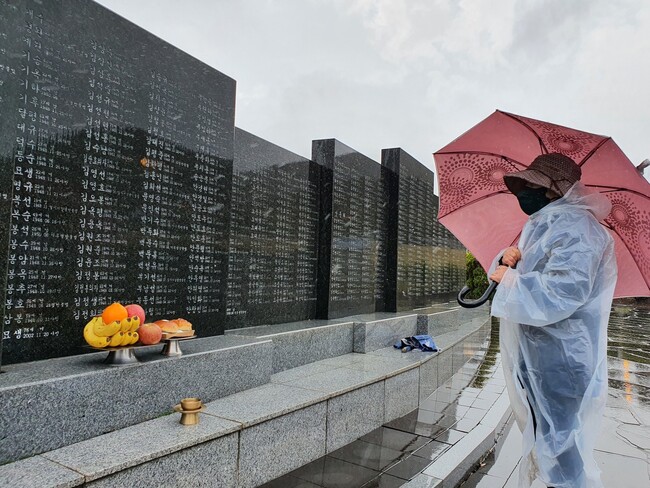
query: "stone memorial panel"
273, 237
352, 240
116, 172
412, 228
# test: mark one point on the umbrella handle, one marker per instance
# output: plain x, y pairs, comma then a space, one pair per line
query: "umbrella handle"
475, 303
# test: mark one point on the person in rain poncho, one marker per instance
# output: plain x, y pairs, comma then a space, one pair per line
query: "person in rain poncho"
554, 299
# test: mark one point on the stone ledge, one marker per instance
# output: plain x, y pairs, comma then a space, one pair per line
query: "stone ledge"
299, 343
109, 453
38, 472
379, 330
434, 321
143, 446
77, 398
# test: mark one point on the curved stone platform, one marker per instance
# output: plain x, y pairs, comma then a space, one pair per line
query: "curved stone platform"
252, 435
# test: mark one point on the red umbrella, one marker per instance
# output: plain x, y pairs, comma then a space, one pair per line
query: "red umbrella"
478, 209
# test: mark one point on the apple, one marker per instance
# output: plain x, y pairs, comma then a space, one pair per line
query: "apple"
135, 309
150, 334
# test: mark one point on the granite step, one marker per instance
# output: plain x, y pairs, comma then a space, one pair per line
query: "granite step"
252, 436
67, 400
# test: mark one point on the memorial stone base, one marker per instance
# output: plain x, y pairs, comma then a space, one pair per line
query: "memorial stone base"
264, 415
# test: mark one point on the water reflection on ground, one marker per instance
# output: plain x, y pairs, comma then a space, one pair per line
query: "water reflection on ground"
628, 350
629, 331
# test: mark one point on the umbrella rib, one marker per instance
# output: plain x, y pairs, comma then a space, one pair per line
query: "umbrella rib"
612, 189
542, 146
593, 151
631, 255
484, 153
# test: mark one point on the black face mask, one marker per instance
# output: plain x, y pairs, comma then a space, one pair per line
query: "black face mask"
532, 199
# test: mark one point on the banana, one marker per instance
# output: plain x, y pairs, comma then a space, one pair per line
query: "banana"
125, 324
117, 339
128, 337
135, 323
92, 339
105, 330
136, 337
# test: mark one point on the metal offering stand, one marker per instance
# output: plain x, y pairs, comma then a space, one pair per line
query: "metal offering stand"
172, 347
119, 356
122, 355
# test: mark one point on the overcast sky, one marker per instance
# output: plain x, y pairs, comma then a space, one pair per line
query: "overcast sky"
416, 74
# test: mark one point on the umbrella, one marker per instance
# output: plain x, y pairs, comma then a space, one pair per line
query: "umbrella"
478, 209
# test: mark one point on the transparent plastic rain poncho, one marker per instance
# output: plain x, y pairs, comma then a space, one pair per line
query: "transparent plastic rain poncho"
554, 309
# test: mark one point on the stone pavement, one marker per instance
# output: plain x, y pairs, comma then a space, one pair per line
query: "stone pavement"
442, 441
449, 432
622, 451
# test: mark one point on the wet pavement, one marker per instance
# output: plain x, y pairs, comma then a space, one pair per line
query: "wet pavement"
402, 449
623, 448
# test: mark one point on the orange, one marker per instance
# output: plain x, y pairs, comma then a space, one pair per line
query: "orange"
114, 312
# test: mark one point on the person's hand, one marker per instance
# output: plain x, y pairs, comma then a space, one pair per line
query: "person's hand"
511, 256
498, 273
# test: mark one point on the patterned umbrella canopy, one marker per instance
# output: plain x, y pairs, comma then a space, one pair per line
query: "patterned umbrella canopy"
478, 209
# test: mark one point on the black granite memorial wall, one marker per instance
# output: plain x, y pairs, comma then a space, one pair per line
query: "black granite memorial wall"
123, 178
352, 236
412, 232
273, 236
116, 159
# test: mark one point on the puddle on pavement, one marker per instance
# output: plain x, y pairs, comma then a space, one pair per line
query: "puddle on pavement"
391, 455
629, 331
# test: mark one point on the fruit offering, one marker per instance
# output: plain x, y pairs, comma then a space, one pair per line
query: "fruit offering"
150, 334
116, 326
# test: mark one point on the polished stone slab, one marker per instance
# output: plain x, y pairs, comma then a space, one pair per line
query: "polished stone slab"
408, 468
265, 402
452, 465
395, 439
337, 381
116, 451
207, 465
417, 422
38, 472
280, 445
289, 481
401, 394
371, 456
352, 235
445, 365
354, 414
384, 480
299, 343
429, 377
123, 396
414, 357
424, 481
332, 472
372, 335
432, 450
117, 150
385, 366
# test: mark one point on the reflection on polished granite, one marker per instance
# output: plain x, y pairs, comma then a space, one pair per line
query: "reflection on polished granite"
400, 450
390, 452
